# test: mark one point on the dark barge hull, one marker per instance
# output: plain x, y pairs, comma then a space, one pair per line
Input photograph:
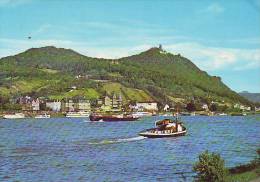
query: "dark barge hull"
111, 118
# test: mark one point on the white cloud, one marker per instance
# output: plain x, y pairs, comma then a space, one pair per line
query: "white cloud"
213, 8
213, 58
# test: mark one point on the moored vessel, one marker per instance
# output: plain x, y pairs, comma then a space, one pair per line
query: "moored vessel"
165, 128
112, 117
42, 116
142, 114
80, 114
14, 116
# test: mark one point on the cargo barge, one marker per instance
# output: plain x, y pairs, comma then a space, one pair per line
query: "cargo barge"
112, 117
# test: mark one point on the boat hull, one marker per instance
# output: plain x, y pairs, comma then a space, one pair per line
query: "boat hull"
77, 116
13, 116
42, 117
111, 118
162, 135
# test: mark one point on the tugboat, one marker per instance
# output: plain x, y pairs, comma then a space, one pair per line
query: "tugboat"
112, 117
165, 128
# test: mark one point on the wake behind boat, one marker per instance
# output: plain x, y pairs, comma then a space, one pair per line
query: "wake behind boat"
112, 117
165, 128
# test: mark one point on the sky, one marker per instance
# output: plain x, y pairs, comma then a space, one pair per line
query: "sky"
221, 37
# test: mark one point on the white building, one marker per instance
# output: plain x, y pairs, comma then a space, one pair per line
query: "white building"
205, 107
148, 106
84, 105
54, 105
166, 107
36, 105
257, 108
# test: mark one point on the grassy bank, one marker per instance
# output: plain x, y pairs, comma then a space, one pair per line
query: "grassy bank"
245, 173
245, 176
211, 167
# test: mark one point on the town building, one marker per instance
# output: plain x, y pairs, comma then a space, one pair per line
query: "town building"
166, 107
68, 105
146, 106
54, 105
36, 104
117, 101
107, 101
83, 105
205, 107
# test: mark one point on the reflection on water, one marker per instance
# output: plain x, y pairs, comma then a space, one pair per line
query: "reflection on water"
67, 149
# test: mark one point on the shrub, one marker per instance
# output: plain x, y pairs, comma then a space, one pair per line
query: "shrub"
210, 167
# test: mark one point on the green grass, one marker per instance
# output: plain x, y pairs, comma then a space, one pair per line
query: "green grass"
51, 71
25, 86
4, 92
88, 93
127, 93
244, 177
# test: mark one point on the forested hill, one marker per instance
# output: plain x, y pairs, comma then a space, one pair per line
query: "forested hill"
253, 97
151, 75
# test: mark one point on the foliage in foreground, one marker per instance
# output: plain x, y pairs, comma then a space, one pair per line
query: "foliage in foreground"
210, 167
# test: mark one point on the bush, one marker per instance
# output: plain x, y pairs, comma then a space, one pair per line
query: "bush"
210, 167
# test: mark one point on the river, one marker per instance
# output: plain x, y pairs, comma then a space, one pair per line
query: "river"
74, 149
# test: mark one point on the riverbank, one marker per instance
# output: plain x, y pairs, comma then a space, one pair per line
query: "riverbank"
248, 175
29, 114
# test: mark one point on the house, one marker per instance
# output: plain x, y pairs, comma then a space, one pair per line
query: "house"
146, 106
107, 101
117, 101
68, 105
99, 102
83, 105
205, 107
36, 104
257, 108
26, 103
166, 107
54, 105
248, 108
237, 106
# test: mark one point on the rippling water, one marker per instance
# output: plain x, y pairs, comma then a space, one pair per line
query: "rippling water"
67, 149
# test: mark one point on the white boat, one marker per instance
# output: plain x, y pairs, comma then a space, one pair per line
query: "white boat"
165, 128
222, 114
80, 114
142, 114
42, 116
14, 116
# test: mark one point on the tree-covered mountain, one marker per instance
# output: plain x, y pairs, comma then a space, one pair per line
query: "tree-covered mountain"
151, 75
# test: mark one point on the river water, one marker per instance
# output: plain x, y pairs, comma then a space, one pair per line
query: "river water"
67, 149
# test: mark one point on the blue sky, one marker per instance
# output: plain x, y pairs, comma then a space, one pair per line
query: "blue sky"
220, 37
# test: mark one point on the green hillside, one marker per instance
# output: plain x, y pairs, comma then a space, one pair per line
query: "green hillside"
151, 75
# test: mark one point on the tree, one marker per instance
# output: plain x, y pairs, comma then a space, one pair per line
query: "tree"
210, 167
213, 107
191, 107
